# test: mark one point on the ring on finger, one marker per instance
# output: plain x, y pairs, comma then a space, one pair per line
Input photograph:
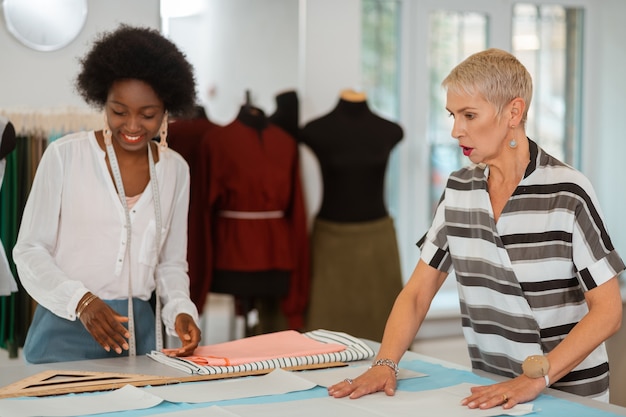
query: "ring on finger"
505, 399
348, 380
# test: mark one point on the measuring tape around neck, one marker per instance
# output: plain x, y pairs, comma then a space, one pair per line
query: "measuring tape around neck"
117, 176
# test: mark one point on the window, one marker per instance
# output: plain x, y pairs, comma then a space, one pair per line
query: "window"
453, 37
380, 52
548, 40
431, 37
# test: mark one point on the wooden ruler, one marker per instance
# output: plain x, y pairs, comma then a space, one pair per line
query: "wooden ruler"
55, 382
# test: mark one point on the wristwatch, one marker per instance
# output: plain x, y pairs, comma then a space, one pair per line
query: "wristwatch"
537, 366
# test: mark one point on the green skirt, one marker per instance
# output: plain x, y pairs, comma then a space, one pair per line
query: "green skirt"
356, 276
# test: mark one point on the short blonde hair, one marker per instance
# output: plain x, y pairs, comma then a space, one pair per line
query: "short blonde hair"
495, 74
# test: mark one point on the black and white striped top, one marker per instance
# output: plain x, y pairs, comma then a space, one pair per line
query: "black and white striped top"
522, 280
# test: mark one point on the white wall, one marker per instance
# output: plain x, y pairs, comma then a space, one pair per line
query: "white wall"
240, 45
330, 61
35, 79
331, 53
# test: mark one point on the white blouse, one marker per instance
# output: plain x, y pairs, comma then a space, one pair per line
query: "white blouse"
72, 237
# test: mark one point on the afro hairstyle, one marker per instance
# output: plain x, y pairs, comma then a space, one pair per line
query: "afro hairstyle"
142, 54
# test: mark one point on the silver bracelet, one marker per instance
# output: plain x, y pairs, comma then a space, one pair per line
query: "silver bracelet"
387, 362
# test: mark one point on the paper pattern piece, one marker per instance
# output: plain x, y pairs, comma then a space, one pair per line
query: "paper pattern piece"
213, 411
414, 397
352, 349
276, 382
438, 402
123, 399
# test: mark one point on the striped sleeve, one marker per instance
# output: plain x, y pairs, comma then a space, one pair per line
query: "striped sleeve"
434, 244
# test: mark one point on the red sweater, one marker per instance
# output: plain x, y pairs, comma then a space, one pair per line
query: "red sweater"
249, 165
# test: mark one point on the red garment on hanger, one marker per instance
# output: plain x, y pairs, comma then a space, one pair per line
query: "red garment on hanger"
248, 166
185, 135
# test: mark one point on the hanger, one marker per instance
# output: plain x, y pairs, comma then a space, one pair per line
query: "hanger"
248, 102
248, 106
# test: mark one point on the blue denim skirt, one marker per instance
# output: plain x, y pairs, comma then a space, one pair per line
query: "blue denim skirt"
51, 338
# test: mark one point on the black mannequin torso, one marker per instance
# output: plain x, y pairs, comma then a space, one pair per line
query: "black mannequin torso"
352, 145
287, 113
8, 141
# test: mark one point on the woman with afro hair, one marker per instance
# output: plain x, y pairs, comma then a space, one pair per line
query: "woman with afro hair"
102, 244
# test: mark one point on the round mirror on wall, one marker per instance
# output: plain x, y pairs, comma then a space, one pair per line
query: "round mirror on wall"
45, 25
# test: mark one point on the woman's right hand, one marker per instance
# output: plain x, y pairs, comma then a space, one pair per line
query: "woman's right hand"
377, 378
105, 325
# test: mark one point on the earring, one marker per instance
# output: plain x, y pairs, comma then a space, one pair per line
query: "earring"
513, 144
106, 131
163, 133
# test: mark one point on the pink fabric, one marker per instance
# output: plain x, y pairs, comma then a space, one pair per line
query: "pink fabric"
283, 344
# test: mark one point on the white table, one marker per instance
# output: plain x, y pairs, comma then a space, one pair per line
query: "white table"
147, 366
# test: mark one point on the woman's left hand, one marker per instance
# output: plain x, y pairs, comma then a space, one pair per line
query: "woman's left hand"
507, 394
188, 333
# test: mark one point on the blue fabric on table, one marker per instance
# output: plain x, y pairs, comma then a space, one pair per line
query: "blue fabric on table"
438, 377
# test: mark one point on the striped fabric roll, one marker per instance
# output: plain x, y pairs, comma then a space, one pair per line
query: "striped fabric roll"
355, 350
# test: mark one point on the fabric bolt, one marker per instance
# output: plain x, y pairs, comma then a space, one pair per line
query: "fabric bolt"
522, 280
356, 276
250, 165
259, 348
59, 260
345, 348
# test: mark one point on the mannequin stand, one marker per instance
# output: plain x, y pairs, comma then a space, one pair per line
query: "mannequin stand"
248, 287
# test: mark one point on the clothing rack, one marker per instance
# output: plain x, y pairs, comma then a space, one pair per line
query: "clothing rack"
34, 129
52, 121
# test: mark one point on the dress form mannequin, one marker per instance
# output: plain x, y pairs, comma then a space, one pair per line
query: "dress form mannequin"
352, 145
355, 262
353, 95
287, 114
252, 219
